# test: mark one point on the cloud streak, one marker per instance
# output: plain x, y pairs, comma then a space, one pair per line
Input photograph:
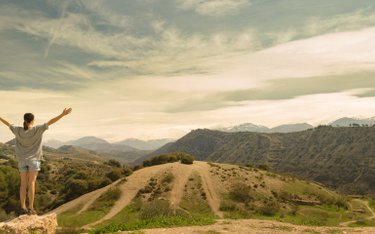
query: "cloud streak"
213, 7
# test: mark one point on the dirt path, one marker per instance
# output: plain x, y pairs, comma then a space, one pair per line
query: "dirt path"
129, 189
181, 173
365, 203
210, 187
85, 200
249, 226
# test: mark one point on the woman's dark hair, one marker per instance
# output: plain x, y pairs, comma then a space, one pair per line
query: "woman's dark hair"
28, 118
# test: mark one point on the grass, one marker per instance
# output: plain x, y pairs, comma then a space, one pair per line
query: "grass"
193, 210
363, 223
97, 210
157, 222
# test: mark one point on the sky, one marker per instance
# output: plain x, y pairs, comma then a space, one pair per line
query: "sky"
152, 69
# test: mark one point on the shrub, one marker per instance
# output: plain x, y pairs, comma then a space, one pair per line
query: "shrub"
113, 163
168, 178
76, 187
154, 209
187, 159
264, 167
114, 174
127, 171
240, 192
269, 208
169, 158
228, 206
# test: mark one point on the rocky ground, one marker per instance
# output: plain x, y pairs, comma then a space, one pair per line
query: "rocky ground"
253, 226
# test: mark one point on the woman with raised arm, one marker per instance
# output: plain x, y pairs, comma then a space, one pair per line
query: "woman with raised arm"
28, 143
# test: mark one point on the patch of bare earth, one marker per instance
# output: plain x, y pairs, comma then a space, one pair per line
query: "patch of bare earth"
249, 226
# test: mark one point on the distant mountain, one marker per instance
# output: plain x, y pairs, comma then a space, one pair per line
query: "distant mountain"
246, 127
53, 143
291, 127
89, 140
144, 145
249, 127
346, 122
342, 158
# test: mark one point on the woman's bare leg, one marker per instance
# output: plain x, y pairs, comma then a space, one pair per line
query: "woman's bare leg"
23, 189
32, 178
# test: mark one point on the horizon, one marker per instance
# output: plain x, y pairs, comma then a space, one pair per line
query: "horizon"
155, 69
218, 128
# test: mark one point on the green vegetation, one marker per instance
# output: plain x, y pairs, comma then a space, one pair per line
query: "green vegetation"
363, 223
60, 180
74, 219
9, 187
324, 154
184, 158
153, 211
157, 213
287, 200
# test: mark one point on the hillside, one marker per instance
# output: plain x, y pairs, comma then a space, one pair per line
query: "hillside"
342, 158
64, 176
122, 152
175, 194
249, 127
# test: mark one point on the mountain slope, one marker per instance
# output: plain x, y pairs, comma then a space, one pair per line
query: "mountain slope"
249, 127
168, 193
342, 158
346, 122
144, 145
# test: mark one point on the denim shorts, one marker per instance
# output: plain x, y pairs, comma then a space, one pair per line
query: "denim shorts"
29, 165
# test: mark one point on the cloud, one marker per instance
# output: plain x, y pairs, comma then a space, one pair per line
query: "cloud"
338, 23
213, 7
129, 72
278, 89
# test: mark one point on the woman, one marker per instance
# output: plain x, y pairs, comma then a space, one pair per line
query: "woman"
29, 154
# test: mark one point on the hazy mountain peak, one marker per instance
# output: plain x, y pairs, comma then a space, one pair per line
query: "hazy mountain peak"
88, 140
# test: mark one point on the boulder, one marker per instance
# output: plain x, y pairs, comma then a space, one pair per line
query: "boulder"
26, 224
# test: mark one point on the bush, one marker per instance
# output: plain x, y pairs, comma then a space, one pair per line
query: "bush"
240, 192
264, 167
114, 174
76, 187
269, 208
187, 159
156, 208
113, 163
228, 206
168, 178
169, 158
127, 171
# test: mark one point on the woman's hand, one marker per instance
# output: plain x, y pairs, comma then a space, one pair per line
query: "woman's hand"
67, 111
4, 122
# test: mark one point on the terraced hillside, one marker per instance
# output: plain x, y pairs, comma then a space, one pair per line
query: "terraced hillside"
175, 194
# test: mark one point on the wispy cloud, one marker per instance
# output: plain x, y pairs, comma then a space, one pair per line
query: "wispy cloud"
338, 23
213, 7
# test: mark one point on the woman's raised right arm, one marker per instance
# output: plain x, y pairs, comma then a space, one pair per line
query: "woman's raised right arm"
5, 122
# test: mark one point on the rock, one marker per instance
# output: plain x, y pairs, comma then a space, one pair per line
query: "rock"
26, 224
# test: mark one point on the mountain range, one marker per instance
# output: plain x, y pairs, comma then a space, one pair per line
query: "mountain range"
284, 128
122, 151
249, 127
96, 143
339, 157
